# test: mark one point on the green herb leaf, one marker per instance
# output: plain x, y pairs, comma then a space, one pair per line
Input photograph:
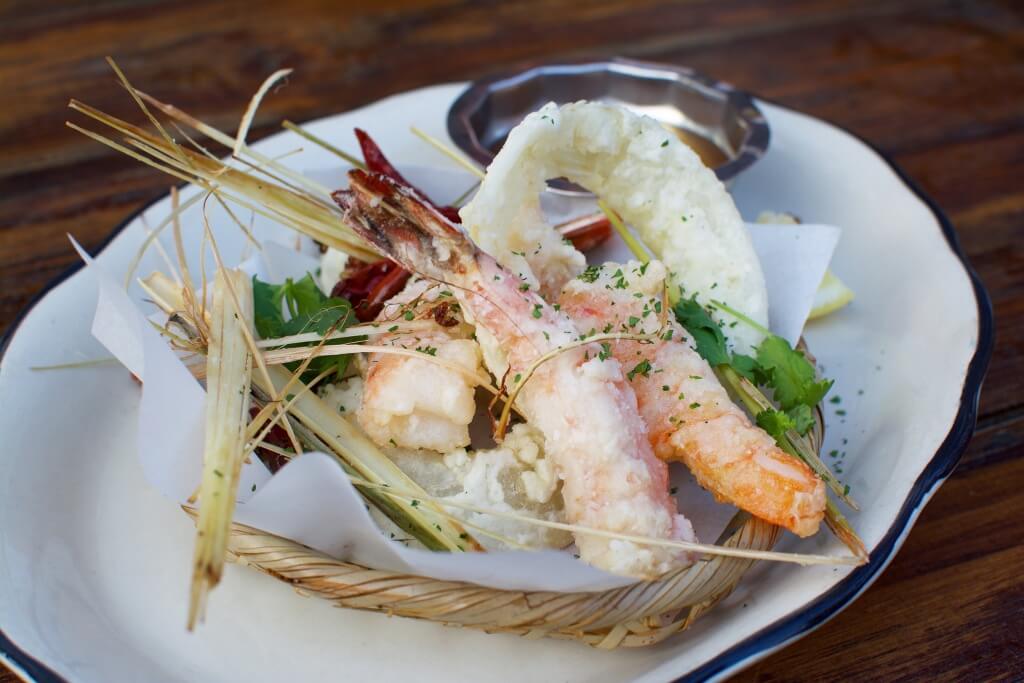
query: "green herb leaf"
790, 374
775, 422
308, 310
803, 418
641, 368
706, 334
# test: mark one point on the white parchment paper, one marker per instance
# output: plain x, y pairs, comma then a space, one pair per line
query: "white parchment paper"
311, 500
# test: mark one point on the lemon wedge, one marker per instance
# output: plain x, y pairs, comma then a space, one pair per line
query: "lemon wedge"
832, 295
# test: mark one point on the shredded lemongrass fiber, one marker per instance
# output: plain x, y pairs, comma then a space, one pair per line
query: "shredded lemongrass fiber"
282, 356
254, 103
308, 210
369, 329
91, 363
298, 130
632, 242
228, 372
288, 455
506, 412
448, 152
706, 548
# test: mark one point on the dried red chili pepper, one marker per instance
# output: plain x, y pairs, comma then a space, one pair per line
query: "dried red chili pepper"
368, 286
277, 436
378, 163
587, 232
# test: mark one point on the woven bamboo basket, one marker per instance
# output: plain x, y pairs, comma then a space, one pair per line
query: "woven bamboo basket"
643, 613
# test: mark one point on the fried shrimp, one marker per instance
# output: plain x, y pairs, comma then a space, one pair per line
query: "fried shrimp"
582, 404
413, 403
652, 179
689, 416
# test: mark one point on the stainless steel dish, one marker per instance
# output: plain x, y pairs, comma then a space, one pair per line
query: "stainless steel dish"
722, 124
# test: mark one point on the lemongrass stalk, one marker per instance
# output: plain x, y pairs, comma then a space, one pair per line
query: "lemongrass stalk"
228, 141
705, 548
282, 356
163, 291
634, 245
369, 329
843, 530
483, 531
358, 455
521, 379
304, 213
755, 402
158, 245
91, 363
248, 332
298, 130
250, 111
448, 152
141, 104
461, 199
228, 371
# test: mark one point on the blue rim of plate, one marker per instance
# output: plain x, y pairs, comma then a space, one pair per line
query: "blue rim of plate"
811, 615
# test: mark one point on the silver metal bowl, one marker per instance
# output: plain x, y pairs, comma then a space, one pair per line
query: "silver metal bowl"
721, 123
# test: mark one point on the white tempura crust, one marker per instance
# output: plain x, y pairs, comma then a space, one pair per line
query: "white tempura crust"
588, 415
650, 177
514, 477
416, 403
688, 414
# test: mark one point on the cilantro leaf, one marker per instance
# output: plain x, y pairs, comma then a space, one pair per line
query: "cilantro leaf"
775, 422
749, 368
803, 418
308, 310
790, 374
703, 330
267, 308
778, 422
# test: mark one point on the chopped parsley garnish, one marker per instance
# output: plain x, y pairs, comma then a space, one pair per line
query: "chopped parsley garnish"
537, 310
591, 274
641, 368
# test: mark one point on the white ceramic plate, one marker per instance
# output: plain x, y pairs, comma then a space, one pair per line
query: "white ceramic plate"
94, 565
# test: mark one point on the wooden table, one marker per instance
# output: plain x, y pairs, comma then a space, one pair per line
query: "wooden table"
939, 86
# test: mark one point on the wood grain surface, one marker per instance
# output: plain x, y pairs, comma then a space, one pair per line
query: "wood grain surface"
939, 86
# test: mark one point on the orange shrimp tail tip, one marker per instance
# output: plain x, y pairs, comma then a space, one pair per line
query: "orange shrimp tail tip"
402, 225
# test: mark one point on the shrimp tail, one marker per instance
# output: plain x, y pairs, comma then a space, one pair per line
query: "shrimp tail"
404, 226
